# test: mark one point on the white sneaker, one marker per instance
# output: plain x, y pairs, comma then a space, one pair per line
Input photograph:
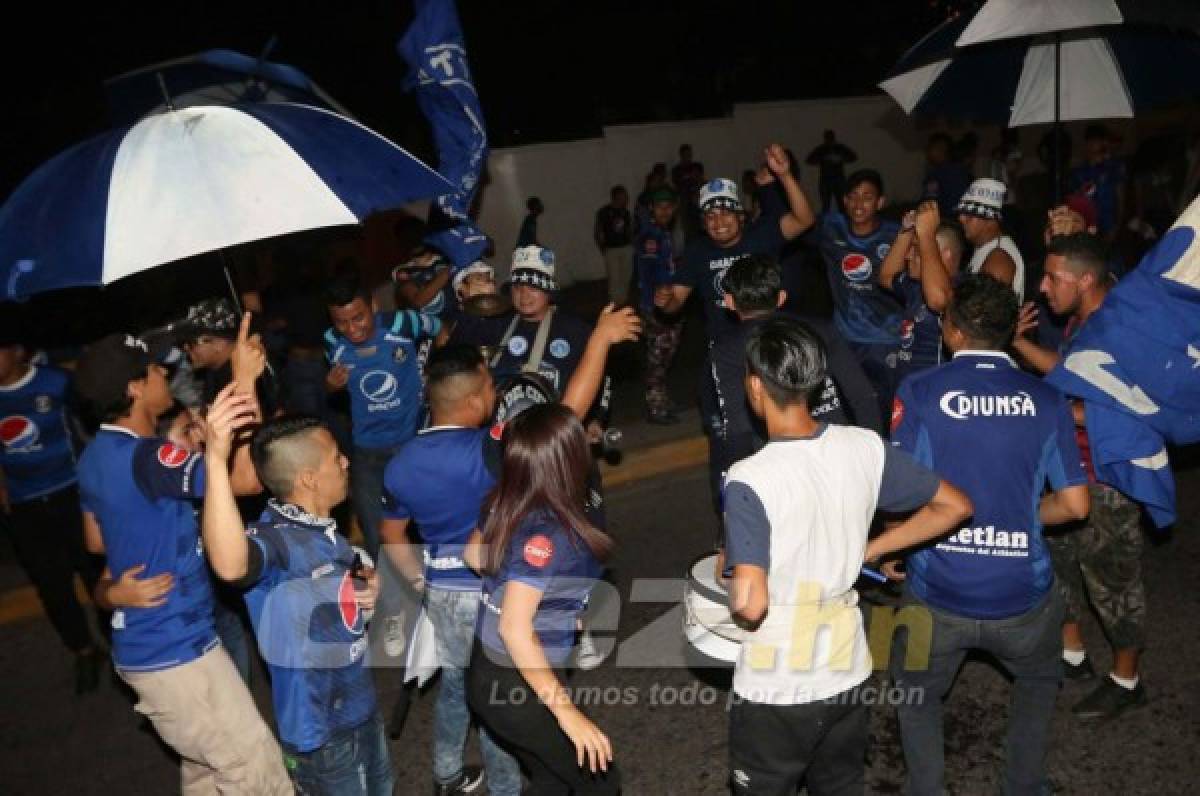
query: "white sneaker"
395, 640
587, 657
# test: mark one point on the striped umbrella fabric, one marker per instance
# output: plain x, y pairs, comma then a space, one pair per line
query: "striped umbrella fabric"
1012, 60
197, 180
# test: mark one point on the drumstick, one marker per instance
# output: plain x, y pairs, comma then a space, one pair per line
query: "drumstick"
875, 575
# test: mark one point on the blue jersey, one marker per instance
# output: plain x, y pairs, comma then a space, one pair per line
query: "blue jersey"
653, 261
1000, 435
35, 445
439, 480
863, 311
140, 490
385, 377
920, 329
545, 555
705, 264
310, 630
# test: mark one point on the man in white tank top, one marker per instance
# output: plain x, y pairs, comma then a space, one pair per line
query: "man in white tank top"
797, 514
979, 212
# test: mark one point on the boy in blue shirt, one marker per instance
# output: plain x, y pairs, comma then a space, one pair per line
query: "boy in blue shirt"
136, 492
309, 600
39, 495
374, 357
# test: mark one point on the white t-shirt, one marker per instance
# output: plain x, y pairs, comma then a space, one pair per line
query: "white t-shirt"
801, 510
1005, 243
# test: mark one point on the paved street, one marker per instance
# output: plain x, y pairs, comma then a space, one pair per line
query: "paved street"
667, 726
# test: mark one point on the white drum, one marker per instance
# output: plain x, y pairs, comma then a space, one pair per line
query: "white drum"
707, 623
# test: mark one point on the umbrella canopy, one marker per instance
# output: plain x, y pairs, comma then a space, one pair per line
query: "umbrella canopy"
213, 77
1021, 63
197, 180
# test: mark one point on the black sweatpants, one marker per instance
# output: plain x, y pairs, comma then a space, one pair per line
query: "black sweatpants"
524, 727
772, 748
47, 535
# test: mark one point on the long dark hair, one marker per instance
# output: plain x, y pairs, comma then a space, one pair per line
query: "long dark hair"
546, 465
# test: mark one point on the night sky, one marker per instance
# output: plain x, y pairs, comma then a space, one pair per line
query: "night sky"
544, 70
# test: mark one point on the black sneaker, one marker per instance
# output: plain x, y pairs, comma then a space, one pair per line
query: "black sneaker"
87, 671
469, 781
1079, 673
1109, 700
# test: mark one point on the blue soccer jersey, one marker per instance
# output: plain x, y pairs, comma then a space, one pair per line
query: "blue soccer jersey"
385, 377
140, 490
545, 555
920, 329
863, 311
438, 480
1000, 435
35, 445
310, 630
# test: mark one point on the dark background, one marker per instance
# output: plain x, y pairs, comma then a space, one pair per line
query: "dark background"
545, 70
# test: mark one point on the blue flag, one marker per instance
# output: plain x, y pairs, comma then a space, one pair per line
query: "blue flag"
437, 57
1136, 365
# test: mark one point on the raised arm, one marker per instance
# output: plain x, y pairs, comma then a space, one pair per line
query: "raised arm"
1038, 357
935, 278
612, 327
800, 215
895, 260
225, 542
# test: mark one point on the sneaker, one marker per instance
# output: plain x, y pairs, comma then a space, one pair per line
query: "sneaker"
469, 781
394, 639
662, 417
1109, 700
87, 671
1080, 673
588, 657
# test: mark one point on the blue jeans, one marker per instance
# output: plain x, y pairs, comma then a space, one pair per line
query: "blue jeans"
453, 614
353, 762
1028, 646
366, 491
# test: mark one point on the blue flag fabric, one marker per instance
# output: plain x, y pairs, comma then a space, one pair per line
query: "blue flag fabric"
1136, 365
437, 57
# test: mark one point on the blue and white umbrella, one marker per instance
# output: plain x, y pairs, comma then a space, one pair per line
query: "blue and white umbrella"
197, 180
212, 77
1021, 62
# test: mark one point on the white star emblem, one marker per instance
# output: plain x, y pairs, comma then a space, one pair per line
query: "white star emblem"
1194, 353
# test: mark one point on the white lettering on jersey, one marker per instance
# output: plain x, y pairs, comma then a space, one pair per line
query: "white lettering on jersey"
987, 541
958, 405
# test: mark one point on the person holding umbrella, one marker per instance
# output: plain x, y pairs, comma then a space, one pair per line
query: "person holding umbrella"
136, 492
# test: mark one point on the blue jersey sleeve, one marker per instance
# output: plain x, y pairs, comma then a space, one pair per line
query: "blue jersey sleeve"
394, 503
163, 469
1062, 460
747, 529
416, 325
538, 555
906, 485
273, 554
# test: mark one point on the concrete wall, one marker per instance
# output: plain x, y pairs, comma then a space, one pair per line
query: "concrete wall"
573, 178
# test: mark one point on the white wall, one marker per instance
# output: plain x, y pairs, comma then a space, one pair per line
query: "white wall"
573, 178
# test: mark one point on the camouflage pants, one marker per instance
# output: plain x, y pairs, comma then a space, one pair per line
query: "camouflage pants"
662, 339
1105, 555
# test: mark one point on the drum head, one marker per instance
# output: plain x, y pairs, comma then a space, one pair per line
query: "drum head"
487, 305
519, 393
702, 578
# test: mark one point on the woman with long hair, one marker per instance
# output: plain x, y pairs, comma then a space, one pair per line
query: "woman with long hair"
540, 558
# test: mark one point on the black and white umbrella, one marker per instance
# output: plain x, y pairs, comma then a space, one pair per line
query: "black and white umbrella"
1022, 62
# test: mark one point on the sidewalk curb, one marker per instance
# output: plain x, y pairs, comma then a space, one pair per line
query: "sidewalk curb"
655, 460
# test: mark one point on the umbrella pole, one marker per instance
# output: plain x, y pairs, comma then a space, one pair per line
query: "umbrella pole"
1057, 120
237, 302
